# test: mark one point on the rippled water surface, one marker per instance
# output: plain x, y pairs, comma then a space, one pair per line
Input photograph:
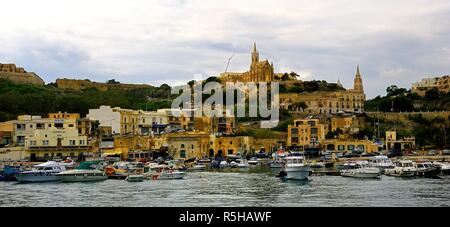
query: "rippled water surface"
233, 189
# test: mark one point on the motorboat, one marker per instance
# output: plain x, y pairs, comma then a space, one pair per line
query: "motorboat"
86, 171
120, 170
277, 164
9, 172
382, 163
166, 174
296, 168
253, 161
316, 164
443, 167
224, 164
234, 164
42, 172
360, 169
426, 169
242, 163
135, 178
403, 168
198, 167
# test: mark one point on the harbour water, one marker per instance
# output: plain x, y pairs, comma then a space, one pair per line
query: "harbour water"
233, 188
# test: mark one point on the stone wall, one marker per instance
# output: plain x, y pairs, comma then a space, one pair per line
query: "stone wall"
19, 75
72, 84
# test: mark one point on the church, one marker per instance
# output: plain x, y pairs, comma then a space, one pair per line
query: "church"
260, 71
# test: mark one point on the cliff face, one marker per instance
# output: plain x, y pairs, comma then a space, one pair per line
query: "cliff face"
19, 75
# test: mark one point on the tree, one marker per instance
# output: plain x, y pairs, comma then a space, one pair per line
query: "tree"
432, 94
112, 81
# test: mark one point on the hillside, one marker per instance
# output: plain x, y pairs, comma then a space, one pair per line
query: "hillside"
17, 99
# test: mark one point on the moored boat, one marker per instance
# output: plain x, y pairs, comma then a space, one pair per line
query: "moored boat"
41, 173
86, 171
166, 175
198, 167
443, 167
135, 178
360, 169
403, 168
382, 163
426, 169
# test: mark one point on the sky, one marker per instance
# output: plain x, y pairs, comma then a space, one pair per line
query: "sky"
170, 41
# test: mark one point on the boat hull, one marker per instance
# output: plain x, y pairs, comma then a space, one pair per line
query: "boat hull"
36, 177
297, 173
360, 174
407, 173
82, 178
168, 176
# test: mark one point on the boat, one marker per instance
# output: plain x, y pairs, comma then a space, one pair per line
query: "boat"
224, 164
242, 163
360, 169
277, 164
234, 164
296, 169
120, 170
253, 161
42, 173
198, 167
443, 167
426, 169
135, 178
403, 168
86, 171
166, 175
316, 164
382, 163
9, 172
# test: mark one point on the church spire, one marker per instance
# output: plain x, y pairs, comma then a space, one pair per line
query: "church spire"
358, 85
255, 56
254, 47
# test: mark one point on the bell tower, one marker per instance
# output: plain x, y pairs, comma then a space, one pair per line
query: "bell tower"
255, 56
358, 85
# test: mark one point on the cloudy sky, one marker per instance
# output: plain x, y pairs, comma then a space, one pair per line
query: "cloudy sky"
169, 41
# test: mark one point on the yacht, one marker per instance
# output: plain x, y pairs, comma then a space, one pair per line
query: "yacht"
382, 163
41, 173
86, 171
296, 169
360, 169
403, 168
426, 169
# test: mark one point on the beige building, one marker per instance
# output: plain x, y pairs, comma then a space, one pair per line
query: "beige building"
440, 83
188, 145
350, 101
348, 124
306, 133
349, 146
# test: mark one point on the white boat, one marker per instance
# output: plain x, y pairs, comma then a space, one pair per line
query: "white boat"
360, 169
198, 167
403, 168
296, 169
234, 164
224, 164
135, 178
41, 173
382, 163
253, 162
82, 175
242, 163
316, 164
167, 175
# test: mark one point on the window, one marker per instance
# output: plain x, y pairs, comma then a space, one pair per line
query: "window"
45, 142
192, 146
20, 127
40, 126
231, 142
314, 131
82, 142
72, 142
31, 126
294, 140
182, 154
182, 145
341, 147
230, 151
59, 125
351, 147
49, 125
294, 131
70, 125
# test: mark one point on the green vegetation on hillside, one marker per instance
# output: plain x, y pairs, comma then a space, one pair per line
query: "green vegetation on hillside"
310, 86
402, 100
18, 99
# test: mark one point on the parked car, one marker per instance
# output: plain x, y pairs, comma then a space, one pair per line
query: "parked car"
432, 152
395, 153
446, 152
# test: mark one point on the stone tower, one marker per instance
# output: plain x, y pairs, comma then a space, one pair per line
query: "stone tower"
358, 85
255, 57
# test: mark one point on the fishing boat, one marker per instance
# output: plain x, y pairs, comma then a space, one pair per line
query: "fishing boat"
296, 168
42, 172
382, 163
360, 169
426, 169
403, 168
86, 171
135, 178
